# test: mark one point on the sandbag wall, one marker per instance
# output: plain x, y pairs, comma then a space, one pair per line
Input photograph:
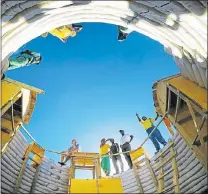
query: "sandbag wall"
192, 175
181, 26
51, 178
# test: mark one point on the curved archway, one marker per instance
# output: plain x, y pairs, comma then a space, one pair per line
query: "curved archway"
181, 26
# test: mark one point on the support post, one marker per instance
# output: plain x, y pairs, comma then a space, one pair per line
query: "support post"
175, 172
177, 106
19, 179
151, 173
97, 174
139, 184
160, 177
32, 190
195, 123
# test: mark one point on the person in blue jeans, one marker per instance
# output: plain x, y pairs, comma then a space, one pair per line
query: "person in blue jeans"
156, 136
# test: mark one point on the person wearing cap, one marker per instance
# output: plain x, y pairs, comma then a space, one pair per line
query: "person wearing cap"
123, 32
126, 147
25, 58
156, 135
114, 149
105, 159
64, 32
65, 155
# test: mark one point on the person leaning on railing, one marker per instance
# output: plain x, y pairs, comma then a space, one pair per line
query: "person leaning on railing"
156, 135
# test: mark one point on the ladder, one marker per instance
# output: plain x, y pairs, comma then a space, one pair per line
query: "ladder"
35, 162
174, 169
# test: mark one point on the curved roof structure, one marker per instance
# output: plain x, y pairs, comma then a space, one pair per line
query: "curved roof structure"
181, 26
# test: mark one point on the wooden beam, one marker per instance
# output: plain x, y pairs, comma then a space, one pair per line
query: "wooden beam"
19, 179
195, 123
32, 190
175, 172
165, 161
177, 106
160, 177
139, 184
39, 91
152, 173
200, 155
164, 150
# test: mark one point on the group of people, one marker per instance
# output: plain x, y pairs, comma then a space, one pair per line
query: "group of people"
28, 57
112, 150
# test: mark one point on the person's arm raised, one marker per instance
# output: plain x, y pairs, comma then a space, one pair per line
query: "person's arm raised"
156, 117
138, 117
131, 136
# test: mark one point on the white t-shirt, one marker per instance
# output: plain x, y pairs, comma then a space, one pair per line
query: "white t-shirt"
124, 139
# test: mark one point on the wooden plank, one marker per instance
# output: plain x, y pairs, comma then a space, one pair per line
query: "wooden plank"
175, 172
160, 180
139, 184
151, 173
165, 161
19, 179
169, 99
164, 150
35, 179
186, 137
198, 129
97, 174
177, 106
167, 172
39, 91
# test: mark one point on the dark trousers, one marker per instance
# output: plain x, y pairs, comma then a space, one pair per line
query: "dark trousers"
127, 147
156, 137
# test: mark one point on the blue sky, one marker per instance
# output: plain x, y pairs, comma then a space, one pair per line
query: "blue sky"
93, 87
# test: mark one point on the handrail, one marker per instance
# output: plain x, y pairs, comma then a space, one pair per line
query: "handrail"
100, 155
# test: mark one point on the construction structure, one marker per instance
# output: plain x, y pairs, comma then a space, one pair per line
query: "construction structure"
181, 167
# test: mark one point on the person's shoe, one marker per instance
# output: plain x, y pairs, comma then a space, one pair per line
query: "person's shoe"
107, 173
157, 152
62, 164
3, 76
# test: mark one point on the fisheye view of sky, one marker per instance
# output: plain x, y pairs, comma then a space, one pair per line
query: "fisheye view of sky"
94, 85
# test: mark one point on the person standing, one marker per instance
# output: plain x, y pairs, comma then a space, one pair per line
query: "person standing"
123, 32
25, 58
126, 147
65, 155
114, 149
105, 159
168, 125
64, 32
156, 135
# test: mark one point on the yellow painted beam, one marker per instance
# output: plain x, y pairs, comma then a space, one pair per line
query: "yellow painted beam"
190, 89
113, 185
22, 85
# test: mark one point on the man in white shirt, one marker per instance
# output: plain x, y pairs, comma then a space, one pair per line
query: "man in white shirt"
125, 146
